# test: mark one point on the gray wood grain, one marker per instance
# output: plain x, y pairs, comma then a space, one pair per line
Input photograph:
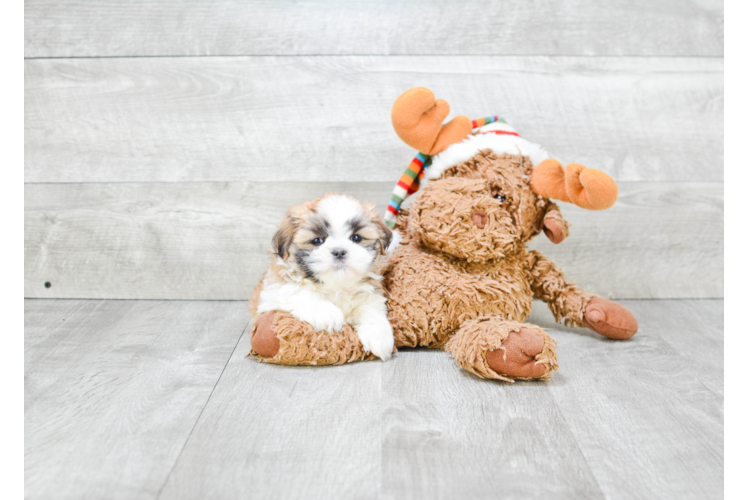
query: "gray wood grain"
649, 415
113, 389
285, 432
579, 27
729, 440
734, 227
269, 119
210, 240
621, 420
731, 111
449, 434
695, 331
122, 402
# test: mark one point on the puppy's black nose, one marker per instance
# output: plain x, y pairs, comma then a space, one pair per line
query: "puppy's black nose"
339, 253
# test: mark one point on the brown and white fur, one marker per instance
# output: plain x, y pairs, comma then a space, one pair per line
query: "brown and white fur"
329, 255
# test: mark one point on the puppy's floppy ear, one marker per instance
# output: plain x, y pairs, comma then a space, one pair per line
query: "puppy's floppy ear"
284, 236
385, 237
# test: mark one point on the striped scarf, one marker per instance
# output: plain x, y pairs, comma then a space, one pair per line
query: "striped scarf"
410, 181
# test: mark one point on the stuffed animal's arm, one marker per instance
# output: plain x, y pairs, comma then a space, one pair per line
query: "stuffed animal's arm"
566, 301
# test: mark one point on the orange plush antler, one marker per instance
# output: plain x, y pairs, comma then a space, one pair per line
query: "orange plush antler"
417, 117
585, 187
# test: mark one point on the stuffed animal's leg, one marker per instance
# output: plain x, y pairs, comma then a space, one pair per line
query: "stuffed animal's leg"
503, 350
574, 306
278, 337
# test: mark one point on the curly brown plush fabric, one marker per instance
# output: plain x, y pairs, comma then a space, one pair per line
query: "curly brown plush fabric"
430, 293
565, 300
300, 344
463, 271
463, 279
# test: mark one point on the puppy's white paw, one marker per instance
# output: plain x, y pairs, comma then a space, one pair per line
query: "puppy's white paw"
321, 315
377, 338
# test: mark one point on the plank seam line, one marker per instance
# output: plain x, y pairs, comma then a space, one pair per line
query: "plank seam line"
576, 442
121, 299
176, 461
182, 56
388, 182
224, 181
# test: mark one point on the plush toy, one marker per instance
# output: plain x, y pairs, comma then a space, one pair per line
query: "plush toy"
462, 278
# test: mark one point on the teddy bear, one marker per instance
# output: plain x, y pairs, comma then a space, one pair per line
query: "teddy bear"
461, 278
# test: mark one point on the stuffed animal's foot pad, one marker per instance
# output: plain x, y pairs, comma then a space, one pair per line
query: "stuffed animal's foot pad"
610, 319
495, 348
264, 340
516, 358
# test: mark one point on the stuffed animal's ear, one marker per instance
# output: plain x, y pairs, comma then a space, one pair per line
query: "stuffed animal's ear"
585, 187
417, 117
555, 226
283, 237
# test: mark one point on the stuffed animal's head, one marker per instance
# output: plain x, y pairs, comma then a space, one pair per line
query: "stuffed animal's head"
485, 198
483, 209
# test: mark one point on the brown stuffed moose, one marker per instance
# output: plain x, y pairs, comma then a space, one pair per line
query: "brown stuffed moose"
461, 279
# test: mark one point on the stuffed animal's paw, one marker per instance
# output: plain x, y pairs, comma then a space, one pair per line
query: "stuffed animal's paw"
264, 340
377, 338
321, 315
610, 319
517, 356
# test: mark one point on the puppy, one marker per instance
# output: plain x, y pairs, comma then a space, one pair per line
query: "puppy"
329, 254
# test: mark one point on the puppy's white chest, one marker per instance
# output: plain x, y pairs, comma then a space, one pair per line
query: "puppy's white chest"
349, 301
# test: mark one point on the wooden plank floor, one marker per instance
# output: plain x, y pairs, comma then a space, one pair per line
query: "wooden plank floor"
113, 390
155, 399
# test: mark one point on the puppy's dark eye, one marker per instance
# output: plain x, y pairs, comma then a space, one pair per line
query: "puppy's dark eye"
356, 238
318, 241
499, 197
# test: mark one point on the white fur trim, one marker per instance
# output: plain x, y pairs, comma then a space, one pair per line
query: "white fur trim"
496, 126
499, 144
395, 243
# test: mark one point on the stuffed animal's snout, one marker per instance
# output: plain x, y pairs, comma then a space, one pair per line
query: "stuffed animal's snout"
479, 218
460, 217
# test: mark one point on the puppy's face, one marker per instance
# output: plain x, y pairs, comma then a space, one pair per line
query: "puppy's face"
333, 240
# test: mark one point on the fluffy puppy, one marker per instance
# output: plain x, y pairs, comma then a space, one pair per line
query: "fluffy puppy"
329, 254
